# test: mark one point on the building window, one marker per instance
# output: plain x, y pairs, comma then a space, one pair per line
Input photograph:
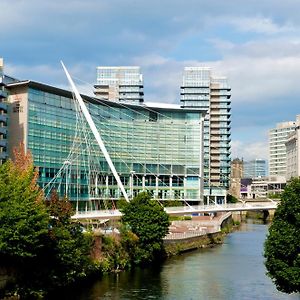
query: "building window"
17, 108
153, 116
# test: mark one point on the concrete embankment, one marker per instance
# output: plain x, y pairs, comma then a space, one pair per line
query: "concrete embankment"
200, 232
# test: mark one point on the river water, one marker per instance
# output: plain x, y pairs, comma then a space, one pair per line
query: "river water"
233, 270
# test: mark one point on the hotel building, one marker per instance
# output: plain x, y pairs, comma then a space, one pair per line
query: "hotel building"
158, 148
202, 90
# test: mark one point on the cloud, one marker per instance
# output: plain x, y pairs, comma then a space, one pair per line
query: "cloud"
249, 151
255, 44
259, 25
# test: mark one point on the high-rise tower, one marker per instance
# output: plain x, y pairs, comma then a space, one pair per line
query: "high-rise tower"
201, 89
277, 148
122, 84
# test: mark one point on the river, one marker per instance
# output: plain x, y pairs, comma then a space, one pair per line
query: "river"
233, 270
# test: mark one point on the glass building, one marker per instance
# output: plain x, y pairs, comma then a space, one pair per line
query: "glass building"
255, 168
124, 84
155, 148
202, 90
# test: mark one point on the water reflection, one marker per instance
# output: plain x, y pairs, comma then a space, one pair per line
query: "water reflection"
233, 270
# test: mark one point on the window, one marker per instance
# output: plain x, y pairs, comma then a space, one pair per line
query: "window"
17, 108
153, 116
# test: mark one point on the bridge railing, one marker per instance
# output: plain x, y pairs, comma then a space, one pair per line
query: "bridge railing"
115, 213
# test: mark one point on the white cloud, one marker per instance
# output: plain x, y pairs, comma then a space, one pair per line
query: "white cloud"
259, 25
249, 151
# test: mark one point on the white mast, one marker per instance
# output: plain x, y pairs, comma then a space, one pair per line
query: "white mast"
96, 133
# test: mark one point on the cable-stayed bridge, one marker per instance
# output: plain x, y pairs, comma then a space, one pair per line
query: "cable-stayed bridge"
183, 210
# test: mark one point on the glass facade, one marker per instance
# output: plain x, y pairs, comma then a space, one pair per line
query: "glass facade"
153, 148
255, 168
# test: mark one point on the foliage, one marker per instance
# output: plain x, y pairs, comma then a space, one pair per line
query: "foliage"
116, 252
23, 217
180, 218
150, 223
282, 247
70, 248
172, 203
274, 195
231, 199
44, 252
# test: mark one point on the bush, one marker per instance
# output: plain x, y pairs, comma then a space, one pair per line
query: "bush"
282, 250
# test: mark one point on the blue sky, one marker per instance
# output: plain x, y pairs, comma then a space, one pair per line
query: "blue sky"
256, 44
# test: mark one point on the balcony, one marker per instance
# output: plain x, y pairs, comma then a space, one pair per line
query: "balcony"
3, 130
3, 143
215, 164
3, 155
3, 106
3, 94
3, 118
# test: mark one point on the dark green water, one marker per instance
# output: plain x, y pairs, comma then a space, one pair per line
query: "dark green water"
233, 270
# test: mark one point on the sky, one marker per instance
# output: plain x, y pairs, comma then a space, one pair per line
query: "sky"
254, 43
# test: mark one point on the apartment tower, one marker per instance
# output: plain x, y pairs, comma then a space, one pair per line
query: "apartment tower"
277, 148
120, 84
201, 89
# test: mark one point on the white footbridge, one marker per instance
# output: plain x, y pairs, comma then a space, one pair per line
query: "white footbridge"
183, 210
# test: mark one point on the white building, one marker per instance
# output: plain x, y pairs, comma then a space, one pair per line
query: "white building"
121, 84
277, 148
201, 89
293, 154
263, 187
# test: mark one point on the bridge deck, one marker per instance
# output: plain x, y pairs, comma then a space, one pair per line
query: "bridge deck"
182, 210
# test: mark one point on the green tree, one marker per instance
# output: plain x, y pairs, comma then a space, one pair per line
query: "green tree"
150, 223
45, 252
24, 219
70, 248
231, 199
282, 246
23, 216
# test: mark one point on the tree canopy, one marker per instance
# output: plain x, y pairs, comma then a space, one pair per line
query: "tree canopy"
38, 241
147, 219
23, 215
282, 247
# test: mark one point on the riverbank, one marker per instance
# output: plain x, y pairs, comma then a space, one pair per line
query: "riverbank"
114, 254
197, 233
233, 270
